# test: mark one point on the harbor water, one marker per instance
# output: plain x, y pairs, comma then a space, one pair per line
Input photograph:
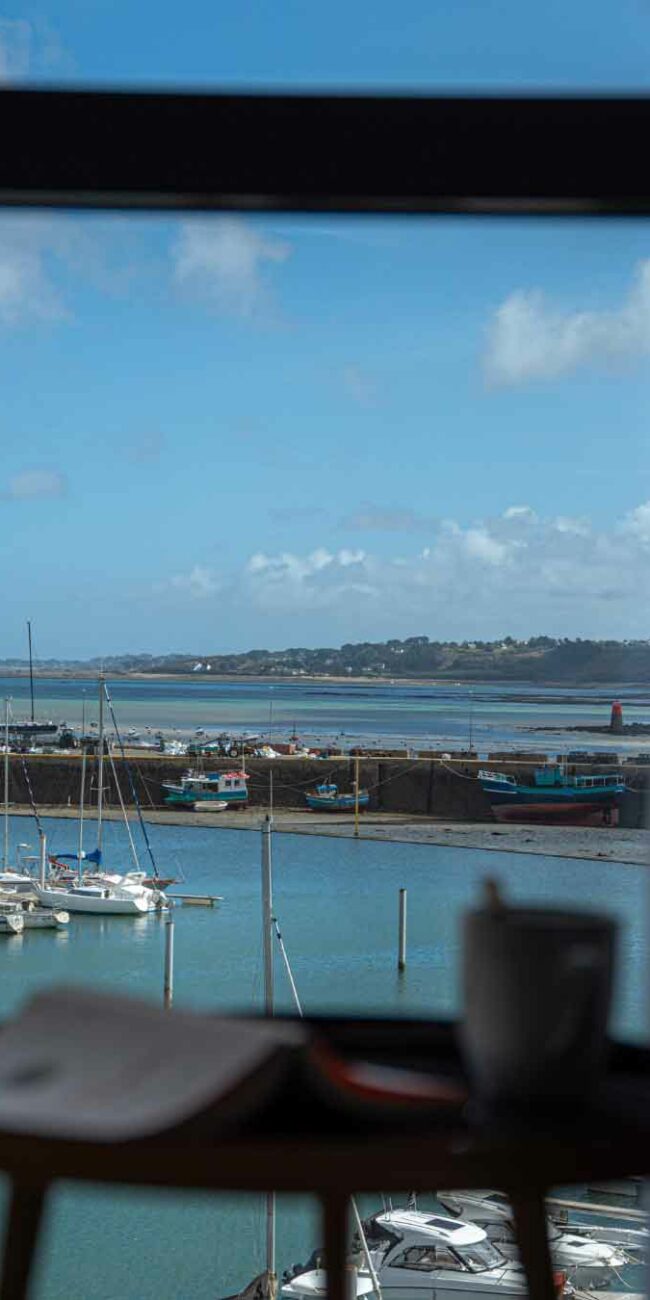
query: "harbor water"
337, 903
370, 713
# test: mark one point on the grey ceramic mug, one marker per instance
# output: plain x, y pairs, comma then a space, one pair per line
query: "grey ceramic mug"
537, 988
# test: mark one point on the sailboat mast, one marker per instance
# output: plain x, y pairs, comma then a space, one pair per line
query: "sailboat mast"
31, 666
5, 840
81, 816
267, 923
267, 914
100, 763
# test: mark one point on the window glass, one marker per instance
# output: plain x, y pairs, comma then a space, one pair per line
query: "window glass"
481, 1256
497, 43
499, 1232
447, 1259
427, 442
425, 1259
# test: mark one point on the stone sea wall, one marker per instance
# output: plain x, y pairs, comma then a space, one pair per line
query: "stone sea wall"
421, 787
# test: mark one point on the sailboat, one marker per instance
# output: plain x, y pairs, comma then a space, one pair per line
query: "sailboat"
17, 887
10, 877
97, 893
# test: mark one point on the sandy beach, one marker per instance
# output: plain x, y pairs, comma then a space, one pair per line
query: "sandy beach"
610, 844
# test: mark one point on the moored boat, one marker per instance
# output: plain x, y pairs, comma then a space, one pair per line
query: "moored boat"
36, 917
96, 899
586, 1263
416, 1254
328, 798
98, 893
11, 919
207, 788
554, 798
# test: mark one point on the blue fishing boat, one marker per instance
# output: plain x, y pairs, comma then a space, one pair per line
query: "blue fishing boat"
327, 798
553, 797
210, 790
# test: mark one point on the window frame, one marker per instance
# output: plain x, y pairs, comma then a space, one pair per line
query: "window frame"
477, 155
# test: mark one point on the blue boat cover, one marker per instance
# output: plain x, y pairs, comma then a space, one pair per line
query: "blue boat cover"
95, 856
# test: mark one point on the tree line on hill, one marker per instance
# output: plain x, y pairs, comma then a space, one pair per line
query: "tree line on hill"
539, 659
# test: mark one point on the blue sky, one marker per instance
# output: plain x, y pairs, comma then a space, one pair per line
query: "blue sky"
237, 431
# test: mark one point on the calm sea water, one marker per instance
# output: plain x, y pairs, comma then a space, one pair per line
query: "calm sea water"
399, 713
337, 904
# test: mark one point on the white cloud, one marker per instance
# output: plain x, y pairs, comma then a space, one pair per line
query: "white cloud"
15, 48
636, 523
520, 512
520, 573
36, 483
44, 259
530, 339
317, 580
199, 583
30, 49
579, 527
26, 288
225, 261
481, 546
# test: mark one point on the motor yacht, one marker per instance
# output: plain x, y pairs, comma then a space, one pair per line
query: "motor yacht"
423, 1254
587, 1262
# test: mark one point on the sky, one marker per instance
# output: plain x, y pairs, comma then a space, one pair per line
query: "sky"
232, 432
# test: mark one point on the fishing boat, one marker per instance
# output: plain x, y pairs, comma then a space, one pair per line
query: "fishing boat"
586, 1263
328, 798
204, 788
554, 798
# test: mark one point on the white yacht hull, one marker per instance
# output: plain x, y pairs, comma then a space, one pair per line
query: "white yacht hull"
427, 1287
11, 923
636, 1240
45, 919
465, 1286
581, 1275
106, 902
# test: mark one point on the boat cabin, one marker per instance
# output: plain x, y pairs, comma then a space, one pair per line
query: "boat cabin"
207, 787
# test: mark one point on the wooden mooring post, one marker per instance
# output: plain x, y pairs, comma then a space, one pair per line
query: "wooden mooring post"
401, 945
168, 988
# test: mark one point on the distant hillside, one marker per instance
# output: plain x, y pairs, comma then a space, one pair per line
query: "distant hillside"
540, 659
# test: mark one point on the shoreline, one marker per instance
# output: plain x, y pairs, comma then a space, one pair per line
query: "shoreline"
625, 847
524, 688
